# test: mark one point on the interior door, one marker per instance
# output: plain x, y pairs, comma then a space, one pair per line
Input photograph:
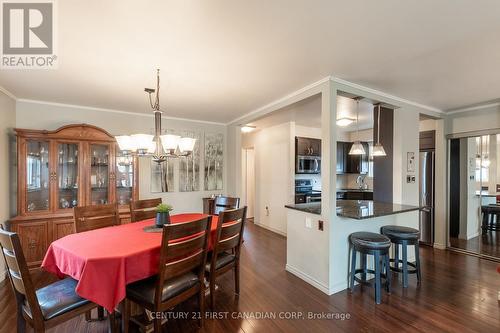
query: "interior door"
490, 195
465, 194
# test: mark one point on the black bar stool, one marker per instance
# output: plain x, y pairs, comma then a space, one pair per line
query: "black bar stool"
369, 243
404, 236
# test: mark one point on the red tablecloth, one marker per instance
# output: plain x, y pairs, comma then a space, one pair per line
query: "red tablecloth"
105, 260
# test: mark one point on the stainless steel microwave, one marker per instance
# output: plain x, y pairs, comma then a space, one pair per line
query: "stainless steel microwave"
308, 164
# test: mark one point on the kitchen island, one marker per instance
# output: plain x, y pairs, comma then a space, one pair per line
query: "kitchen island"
318, 247
357, 209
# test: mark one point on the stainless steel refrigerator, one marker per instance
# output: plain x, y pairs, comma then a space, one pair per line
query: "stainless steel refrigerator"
426, 188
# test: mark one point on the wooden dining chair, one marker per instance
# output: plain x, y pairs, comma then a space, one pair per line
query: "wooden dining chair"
95, 217
43, 308
224, 203
226, 252
180, 273
143, 209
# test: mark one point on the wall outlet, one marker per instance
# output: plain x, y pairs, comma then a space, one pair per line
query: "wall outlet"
410, 179
308, 223
320, 225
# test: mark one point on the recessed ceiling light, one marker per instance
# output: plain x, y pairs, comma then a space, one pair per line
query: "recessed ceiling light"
247, 128
345, 121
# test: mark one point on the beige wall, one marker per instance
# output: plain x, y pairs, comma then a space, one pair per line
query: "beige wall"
7, 122
427, 125
475, 120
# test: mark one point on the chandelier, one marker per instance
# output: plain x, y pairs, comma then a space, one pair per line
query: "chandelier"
159, 147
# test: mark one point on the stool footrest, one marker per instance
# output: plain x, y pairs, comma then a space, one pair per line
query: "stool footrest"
400, 270
368, 271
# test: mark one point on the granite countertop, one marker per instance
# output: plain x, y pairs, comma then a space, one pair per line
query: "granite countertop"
313, 207
356, 209
354, 190
365, 209
487, 194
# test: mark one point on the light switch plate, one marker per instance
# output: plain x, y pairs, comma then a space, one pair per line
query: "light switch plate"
308, 223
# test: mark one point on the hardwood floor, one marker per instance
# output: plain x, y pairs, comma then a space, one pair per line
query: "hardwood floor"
490, 243
458, 294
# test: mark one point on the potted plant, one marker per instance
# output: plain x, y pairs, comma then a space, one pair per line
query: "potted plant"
163, 214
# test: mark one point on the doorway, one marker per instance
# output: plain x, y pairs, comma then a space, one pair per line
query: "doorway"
474, 194
248, 174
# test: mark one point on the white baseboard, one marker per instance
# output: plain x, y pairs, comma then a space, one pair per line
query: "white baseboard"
309, 279
276, 231
474, 235
439, 246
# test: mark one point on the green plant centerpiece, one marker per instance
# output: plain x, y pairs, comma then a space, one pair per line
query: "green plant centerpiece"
163, 214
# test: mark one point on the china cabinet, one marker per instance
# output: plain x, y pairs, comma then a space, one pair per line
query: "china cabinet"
75, 165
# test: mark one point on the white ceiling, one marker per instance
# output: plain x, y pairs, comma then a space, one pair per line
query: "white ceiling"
222, 59
308, 113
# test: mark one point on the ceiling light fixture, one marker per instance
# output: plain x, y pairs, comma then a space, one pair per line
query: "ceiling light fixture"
357, 148
247, 128
345, 121
159, 147
378, 149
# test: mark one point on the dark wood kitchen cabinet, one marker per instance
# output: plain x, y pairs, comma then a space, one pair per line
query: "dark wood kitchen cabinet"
358, 195
357, 163
307, 146
341, 157
346, 163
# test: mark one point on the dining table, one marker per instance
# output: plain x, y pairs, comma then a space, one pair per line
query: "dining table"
105, 260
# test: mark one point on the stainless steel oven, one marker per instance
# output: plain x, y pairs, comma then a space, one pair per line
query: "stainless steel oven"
313, 198
308, 164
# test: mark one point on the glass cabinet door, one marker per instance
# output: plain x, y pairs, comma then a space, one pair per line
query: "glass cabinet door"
37, 176
124, 178
67, 171
99, 174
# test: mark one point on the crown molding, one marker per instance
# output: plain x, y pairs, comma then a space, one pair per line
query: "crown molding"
8, 93
277, 103
474, 108
385, 95
149, 115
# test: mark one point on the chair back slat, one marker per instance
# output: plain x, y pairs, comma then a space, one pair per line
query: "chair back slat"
143, 209
179, 256
95, 217
18, 271
187, 229
184, 265
229, 231
228, 243
225, 203
142, 215
186, 247
10, 260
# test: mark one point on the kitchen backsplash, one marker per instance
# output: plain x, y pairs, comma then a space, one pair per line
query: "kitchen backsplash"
349, 181
343, 181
